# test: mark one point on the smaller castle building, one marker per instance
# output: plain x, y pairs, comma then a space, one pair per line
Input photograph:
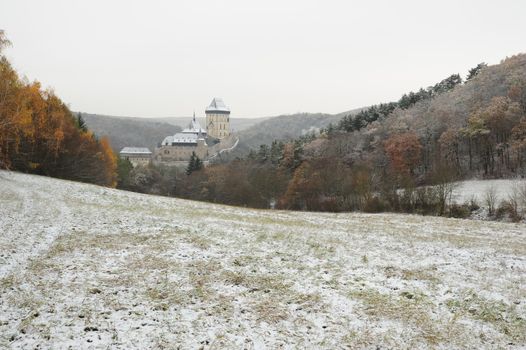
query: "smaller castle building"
179, 147
136, 155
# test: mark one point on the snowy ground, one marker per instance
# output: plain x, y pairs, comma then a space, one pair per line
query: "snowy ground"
83, 266
477, 189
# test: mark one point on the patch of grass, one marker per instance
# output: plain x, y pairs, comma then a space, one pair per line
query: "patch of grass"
199, 241
365, 259
310, 302
9, 281
165, 295
202, 274
408, 307
505, 318
271, 311
150, 262
423, 274
359, 338
256, 282
244, 260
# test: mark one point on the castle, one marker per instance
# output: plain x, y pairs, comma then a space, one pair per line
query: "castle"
205, 143
218, 119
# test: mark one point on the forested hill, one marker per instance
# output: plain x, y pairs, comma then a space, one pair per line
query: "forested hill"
473, 127
125, 131
283, 128
479, 126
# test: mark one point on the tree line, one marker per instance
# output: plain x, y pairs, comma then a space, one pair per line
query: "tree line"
40, 135
356, 122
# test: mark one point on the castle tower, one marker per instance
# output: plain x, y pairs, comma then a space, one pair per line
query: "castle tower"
218, 119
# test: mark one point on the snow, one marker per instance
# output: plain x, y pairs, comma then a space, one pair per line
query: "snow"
87, 267
477, 189
135, 150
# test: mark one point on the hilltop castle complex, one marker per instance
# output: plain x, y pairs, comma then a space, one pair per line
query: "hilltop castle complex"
206, 143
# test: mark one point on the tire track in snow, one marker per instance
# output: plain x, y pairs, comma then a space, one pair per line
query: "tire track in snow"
41, 224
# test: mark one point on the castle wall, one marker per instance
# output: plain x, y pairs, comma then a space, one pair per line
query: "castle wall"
178, 153
226, 142
137, 159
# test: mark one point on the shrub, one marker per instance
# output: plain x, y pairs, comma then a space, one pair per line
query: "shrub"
374, 205
473, 205
460, 211
427, 201
508, 208
490, 199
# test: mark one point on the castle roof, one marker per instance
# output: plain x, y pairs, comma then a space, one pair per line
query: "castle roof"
182, 138
135, 150
218, 106
194, 127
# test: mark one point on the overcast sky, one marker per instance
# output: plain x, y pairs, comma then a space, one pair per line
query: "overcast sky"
264, 58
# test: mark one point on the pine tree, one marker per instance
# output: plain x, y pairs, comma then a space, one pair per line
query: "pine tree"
263, 153
124, 167
276, 152
81, 124
198, 164
191, 164
476, 70
194, 164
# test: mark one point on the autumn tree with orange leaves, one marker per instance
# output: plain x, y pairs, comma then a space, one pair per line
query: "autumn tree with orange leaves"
39, 134
404, 151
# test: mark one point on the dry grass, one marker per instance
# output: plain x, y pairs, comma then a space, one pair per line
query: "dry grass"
129, 271
506, 318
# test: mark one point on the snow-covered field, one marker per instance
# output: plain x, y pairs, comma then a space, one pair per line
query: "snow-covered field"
477, 189
83, 266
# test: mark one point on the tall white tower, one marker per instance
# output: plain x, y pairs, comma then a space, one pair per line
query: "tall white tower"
218, 119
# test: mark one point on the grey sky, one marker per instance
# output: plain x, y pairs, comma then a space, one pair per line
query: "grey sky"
167, 58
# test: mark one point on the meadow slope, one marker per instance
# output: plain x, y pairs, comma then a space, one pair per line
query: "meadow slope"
83, 266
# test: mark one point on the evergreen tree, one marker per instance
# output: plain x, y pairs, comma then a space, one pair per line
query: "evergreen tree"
475, 70
276, 152
81, 124
330, 129
252, 155
194, 164
191, 164
263, 153
124, 167
198, 164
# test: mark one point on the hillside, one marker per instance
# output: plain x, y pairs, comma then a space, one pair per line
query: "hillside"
453, 109
236, 124
91, 267
283, 128
125, 131
478, 128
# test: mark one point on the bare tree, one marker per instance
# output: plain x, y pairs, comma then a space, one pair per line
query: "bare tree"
490, 199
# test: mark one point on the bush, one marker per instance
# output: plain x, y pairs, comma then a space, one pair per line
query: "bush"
427, 201
490, 199
374, 205
508, 208
460, 211
473, 205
